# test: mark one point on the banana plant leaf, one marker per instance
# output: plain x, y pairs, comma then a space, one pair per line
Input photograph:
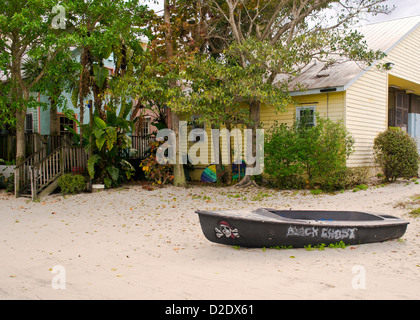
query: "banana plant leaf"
100, 74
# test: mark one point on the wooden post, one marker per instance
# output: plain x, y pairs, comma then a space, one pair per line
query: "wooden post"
34, 190
90, 183
17, 181
62, 171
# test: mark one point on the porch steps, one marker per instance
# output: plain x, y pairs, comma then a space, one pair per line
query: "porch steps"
39, 174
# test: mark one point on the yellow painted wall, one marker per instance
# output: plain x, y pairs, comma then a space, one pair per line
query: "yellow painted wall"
329, 105
406, 57
367, 114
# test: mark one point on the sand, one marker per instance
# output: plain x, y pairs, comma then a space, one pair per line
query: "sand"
130, 243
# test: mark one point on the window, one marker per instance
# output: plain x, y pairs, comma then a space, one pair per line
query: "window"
64, 122
145, 130
29, 123
306, 116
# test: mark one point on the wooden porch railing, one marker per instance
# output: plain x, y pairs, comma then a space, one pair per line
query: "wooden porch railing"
22, 172
75, 160
46, 171
45, 165
141, 144
40, 170
34, 142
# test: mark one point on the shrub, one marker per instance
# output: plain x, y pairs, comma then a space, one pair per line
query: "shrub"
396, 153
345, 178
7, 183
312, 156
282, 152
10, 183
332, 145
71, 184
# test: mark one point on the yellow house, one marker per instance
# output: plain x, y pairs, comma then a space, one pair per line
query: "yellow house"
366, 99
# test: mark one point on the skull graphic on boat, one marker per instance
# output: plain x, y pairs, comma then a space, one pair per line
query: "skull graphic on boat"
225, 229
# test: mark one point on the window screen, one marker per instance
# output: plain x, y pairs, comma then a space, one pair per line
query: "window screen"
306, 116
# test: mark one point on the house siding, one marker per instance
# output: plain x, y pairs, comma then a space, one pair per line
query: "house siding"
328, 105
35, 122
367, 114
406, 57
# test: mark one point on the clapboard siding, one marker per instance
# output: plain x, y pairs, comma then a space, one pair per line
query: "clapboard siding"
367, 114
329, 105
406, 57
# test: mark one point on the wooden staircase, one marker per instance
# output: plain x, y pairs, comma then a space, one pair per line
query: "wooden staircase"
38, 175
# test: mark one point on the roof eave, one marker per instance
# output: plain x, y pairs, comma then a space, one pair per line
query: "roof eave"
317, 91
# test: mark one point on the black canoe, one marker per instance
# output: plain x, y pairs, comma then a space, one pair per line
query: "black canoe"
273, 228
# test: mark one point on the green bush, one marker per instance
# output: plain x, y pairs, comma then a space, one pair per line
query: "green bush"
396, 153
7, 183
282, 160
345, 178
331, 146
309, 156
71, 184
10, 183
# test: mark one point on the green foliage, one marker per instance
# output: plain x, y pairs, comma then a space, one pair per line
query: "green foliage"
323, 246
361, 187
415, 213
283, 157
324, 150
316, 192
302, 155
25, 33
71, 184
110, 146
396, 153
346, 178
7, 183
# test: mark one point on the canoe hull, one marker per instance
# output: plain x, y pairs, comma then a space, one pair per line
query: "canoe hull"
232, 230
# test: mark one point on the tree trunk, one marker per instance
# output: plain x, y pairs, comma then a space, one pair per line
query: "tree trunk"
229, 173
179, 175
254, 114
20, 134
53, 120
84, 86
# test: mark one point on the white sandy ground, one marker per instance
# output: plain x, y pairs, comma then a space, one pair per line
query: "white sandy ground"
131, 243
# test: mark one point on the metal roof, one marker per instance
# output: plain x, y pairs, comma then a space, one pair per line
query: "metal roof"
382, 36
